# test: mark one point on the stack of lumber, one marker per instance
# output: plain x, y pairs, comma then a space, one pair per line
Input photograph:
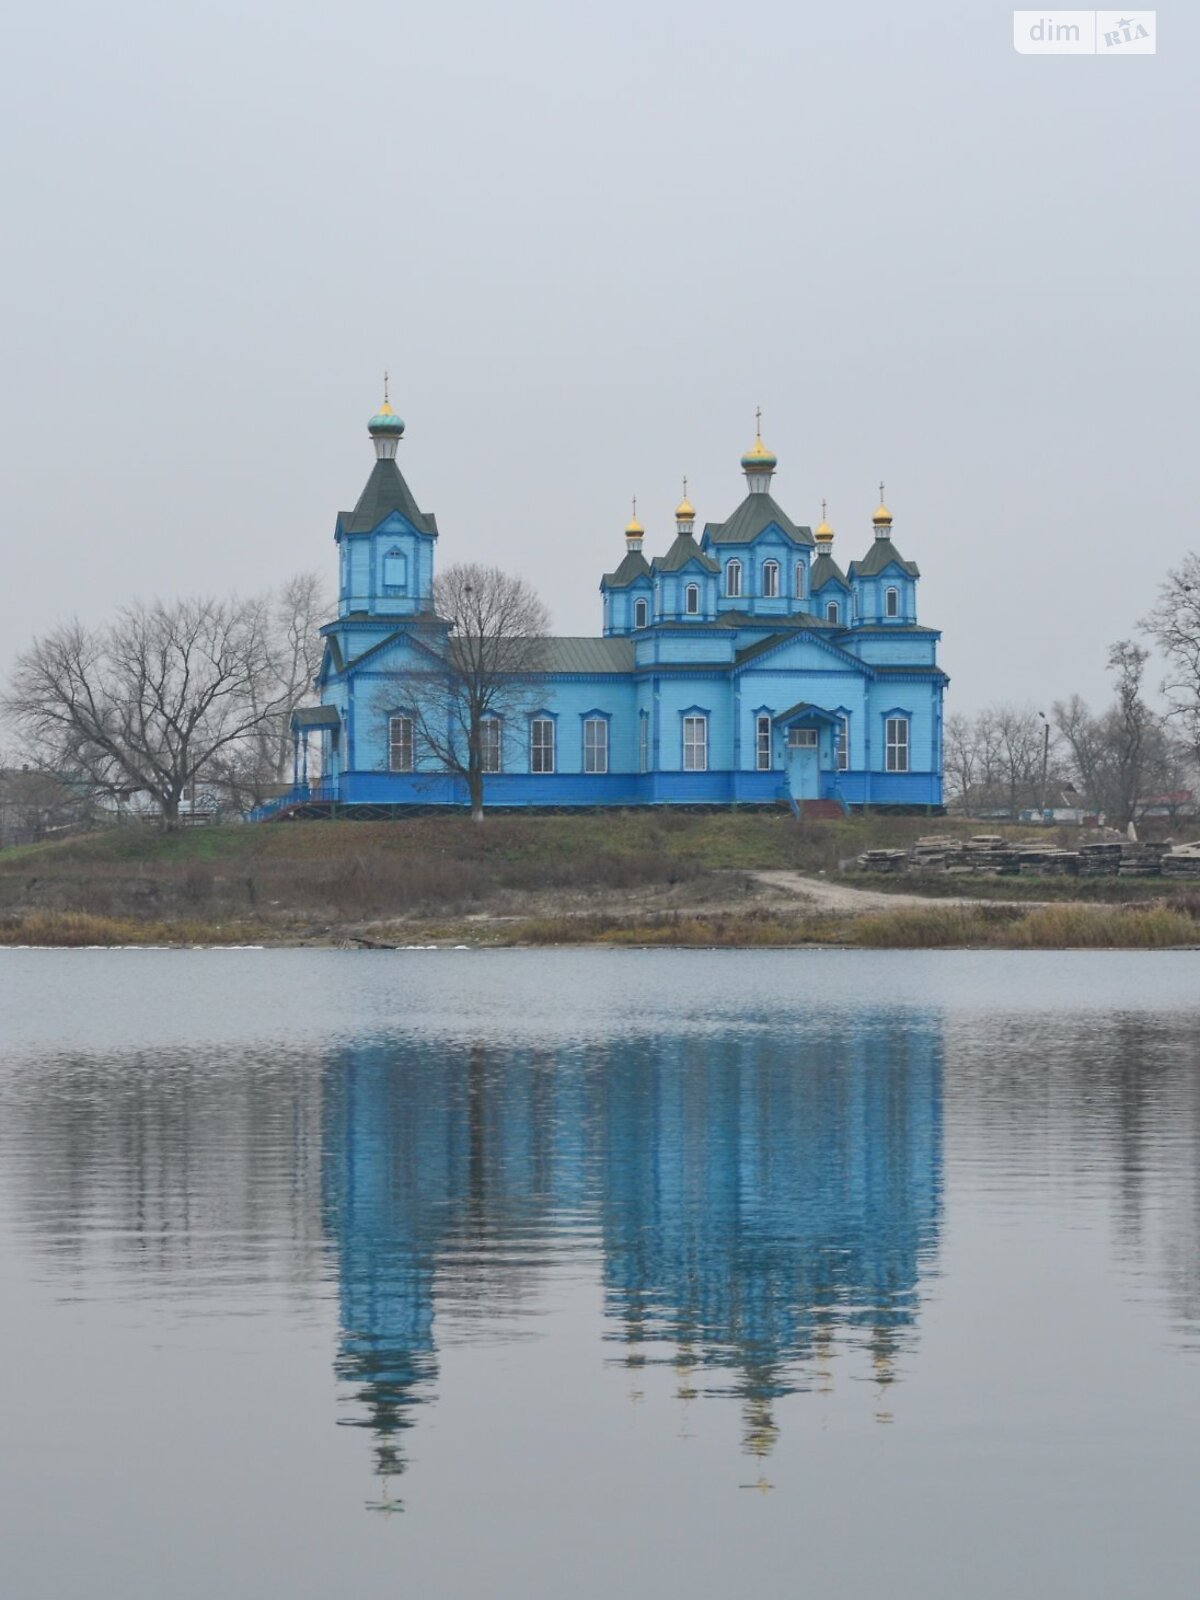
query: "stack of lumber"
934, 853
988, 852
1182, 862
1100, 860
1045, 861
884, 861
1142, 860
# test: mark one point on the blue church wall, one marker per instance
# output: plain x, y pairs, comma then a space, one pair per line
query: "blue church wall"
683, 666
897, 649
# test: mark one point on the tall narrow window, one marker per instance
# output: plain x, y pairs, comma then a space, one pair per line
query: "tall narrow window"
891, 603
490, 747
770, 580
643, 743
843, 744
801, 579
762, 743
691, 599
595, 744
695, 744
400, 744
395, 572
541, 745
897, 744
733, 579
641, 613
833, 612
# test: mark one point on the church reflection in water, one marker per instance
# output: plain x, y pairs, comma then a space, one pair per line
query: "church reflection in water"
764, 1202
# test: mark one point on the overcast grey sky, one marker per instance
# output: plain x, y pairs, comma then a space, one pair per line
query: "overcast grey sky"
588, 241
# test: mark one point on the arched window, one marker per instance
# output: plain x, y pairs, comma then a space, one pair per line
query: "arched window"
691, 599
733, 579
833, 612
891, 603
395, 571
640, 613
770, 580
801, 579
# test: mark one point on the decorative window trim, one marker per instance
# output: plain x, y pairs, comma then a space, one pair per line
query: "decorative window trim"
770, 580
641, 612
691, 600
801, 579
833, 612
891, 601
733, 579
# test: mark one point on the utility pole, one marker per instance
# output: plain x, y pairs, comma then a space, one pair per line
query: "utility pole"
1045, 759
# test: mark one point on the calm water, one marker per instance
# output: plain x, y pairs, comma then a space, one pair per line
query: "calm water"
599, 1274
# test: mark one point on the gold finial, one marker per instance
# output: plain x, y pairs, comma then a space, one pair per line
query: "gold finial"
882, 496
758, 422
824, 509
385, 386
635, 508
685, 486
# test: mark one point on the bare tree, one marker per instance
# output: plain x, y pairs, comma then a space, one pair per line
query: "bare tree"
483, 666
1117, 755
1131, 729
1174, 626
249, 770
960, 760
151, 701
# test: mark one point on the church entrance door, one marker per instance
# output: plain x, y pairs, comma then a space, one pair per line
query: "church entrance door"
803, 764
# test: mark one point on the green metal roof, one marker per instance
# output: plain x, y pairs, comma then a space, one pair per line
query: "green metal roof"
316, 717
756, 513
633, 567
880, 556
826, 570
684, 549
385, 492
587, 655
805, 708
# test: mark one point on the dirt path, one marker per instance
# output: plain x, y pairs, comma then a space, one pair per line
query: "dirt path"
823, 894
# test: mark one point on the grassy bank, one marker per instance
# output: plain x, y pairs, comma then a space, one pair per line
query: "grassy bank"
614, 877
939, 928
421, 865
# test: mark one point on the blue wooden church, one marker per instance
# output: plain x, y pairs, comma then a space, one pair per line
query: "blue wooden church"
743, 664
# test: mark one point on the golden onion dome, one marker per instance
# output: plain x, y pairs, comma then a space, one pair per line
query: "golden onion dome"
634, 529
823, 533
685, 511
882, 517
758, 458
